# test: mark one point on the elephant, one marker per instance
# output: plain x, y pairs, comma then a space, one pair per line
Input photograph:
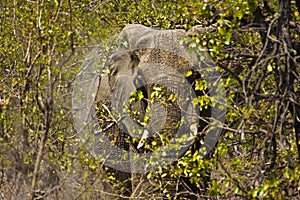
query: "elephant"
157, 65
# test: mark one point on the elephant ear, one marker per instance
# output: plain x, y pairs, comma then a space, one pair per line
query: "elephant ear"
104, 91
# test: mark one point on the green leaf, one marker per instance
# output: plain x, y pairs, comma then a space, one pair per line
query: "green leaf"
269, 68
188, 73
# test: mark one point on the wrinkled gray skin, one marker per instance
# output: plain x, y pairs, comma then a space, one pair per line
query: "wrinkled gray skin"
133, 52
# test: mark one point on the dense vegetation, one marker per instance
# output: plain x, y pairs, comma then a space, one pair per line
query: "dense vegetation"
254, 43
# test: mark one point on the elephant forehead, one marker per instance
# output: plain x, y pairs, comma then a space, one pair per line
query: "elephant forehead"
136, 33
135, 36
161, 39
163, 57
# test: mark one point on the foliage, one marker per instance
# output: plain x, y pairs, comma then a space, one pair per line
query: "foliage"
254, 43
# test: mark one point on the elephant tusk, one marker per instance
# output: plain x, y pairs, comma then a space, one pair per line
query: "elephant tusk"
143, 139
194, 129
193, 132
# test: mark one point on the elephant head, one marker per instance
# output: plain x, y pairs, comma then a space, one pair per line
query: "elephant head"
145, 60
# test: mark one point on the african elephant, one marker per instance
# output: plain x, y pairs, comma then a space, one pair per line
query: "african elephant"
146, 59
